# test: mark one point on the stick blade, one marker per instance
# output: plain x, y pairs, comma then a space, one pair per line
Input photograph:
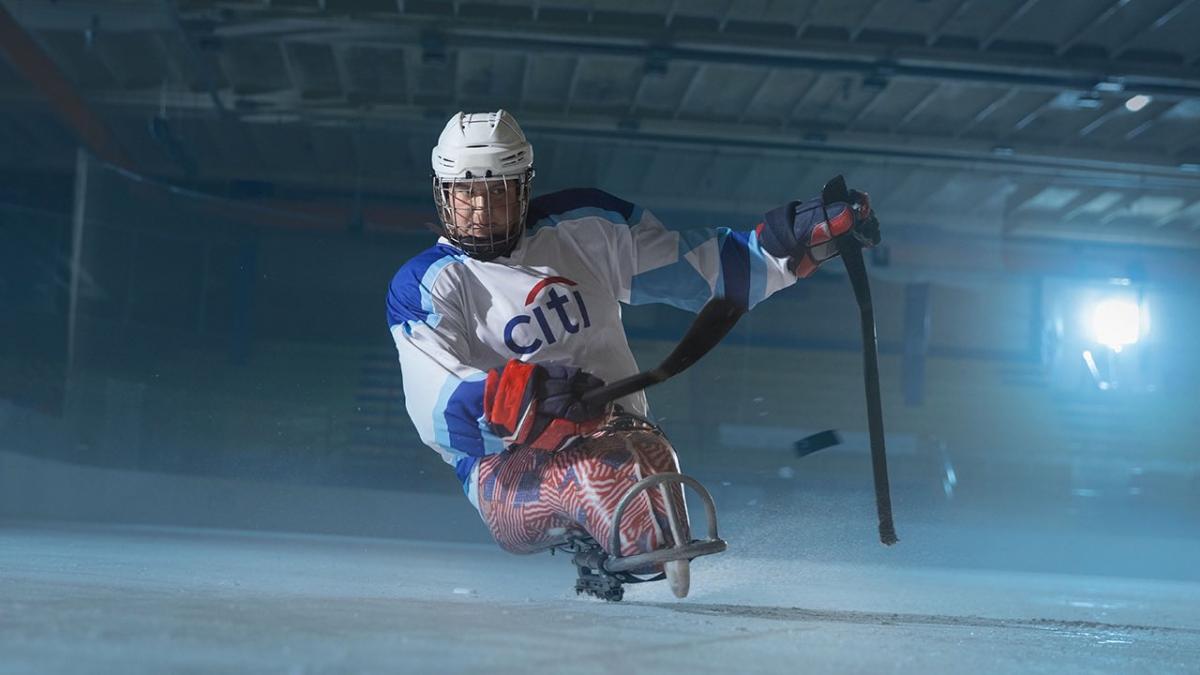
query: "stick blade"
887, 534
835, 190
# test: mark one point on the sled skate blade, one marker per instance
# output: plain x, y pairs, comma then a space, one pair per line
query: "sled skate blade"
679, 576
680, 552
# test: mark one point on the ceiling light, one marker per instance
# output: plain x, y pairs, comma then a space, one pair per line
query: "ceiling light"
1116, 323
1136, 103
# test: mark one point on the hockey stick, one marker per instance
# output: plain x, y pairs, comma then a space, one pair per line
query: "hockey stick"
851, 251
713, 323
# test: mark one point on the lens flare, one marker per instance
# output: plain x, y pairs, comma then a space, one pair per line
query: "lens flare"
1116, 323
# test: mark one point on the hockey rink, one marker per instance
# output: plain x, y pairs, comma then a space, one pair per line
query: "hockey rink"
130, 599
290, 288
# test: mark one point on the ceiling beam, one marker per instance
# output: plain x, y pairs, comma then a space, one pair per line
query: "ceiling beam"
867, 107
29, 60
986, 112
862, 22
916, 109
1104, 15
1078, 165
958, 11
916, 63
1162, 20
1013, 16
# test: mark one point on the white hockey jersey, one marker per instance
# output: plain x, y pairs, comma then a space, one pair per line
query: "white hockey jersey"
556, 299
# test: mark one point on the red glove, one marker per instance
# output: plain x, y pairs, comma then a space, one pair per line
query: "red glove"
540, 406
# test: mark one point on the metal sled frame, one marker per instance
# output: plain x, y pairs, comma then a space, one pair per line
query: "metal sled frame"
693, 549
604, 576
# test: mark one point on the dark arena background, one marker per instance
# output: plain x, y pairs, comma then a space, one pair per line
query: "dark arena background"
205, 460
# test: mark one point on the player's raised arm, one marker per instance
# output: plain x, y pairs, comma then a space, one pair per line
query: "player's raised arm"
648, 262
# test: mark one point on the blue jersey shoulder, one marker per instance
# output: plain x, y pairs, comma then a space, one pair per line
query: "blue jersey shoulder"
577, 203
410, 295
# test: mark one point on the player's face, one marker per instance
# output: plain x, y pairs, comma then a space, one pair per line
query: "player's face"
484, 208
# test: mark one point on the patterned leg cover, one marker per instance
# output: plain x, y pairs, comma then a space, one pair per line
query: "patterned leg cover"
531, 499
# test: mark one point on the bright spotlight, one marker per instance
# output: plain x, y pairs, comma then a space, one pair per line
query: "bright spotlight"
1136, 103
1116, 323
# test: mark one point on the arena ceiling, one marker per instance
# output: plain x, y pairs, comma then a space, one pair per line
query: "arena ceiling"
1077, 120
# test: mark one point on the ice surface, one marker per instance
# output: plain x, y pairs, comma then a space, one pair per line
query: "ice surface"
147, 599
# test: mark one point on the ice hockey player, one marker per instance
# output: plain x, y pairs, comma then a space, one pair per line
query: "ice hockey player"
515, 313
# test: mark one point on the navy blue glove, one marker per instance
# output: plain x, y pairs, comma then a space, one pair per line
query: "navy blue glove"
799, 231
561, 391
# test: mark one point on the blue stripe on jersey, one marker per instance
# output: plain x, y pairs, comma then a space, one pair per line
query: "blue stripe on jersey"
758, 269
734, 279
578, 203
462, 469
457, 418
743, 273
410, 296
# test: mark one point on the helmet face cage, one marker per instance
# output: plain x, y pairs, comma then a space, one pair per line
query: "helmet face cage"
485, 217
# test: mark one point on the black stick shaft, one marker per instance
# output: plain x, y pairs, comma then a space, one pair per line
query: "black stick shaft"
851, 252
616, 390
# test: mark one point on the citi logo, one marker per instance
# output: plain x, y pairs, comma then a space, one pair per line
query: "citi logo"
555, 303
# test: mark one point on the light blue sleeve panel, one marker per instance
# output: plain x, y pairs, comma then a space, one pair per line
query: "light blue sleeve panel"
686, 268
649, 263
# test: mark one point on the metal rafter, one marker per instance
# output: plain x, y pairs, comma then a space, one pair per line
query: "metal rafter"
920, 106
806, 20
758, 90
1137, 131
728, 49
526, 72
1162, 20
725, 14
1145, 126
688, 91
637, 94
1099, 121
1123, 210
345, 80
1082, 202
295, 80
986, 112
1104, 15
1084, 196
863, 20
669, 16
866, 108
1180, 212
952, 16
200, 65
411, 73
30, 61
786, 119
1012, 18
1029, 117
572, 83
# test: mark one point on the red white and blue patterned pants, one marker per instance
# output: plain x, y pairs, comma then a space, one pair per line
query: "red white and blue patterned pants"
531, 498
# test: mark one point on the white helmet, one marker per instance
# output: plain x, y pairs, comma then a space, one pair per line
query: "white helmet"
482, 168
